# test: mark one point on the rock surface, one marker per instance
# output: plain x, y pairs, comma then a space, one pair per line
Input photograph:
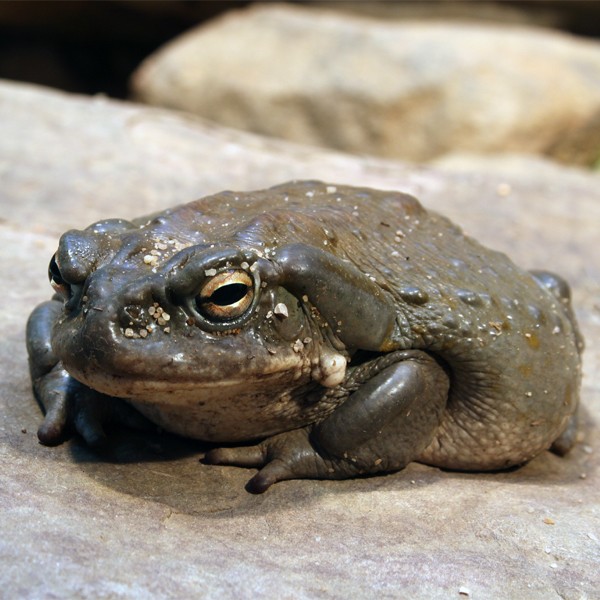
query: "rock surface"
146, 520
405, 89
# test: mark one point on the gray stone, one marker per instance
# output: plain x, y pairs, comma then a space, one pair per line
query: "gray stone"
405, 89
146, 520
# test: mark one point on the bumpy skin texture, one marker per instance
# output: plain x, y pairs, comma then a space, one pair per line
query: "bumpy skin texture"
349, 329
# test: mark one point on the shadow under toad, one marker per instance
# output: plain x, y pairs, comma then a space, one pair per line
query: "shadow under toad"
165, 468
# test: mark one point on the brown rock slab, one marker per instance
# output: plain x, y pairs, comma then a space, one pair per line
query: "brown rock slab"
403, 89
145, 519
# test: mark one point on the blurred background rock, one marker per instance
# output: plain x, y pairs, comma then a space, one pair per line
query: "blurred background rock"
418, 81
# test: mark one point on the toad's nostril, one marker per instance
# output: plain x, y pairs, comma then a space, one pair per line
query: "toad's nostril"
134, 315
133, 312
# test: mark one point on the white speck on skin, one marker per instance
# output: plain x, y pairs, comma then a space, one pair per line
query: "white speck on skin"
281, 310
331, 369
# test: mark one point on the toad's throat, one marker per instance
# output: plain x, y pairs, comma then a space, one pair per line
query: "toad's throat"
219, 411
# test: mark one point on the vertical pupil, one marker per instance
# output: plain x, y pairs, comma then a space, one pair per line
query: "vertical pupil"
229, 294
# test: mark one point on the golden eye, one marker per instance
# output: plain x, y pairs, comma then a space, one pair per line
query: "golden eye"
226, 296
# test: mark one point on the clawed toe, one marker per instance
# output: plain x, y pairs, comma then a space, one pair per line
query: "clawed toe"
273, 469
272, 473
54, 429
51, 433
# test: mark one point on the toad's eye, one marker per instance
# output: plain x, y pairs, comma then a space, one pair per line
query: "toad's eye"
226, 296
56, 280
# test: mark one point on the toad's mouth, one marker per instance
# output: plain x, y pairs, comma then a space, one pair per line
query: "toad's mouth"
153, 389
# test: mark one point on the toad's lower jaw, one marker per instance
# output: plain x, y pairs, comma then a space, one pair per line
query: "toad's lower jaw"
188, 392
224, 411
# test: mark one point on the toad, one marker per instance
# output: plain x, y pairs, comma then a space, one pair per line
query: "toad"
316, 330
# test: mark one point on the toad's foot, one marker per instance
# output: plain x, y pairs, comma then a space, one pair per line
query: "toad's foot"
289, 455
71, 407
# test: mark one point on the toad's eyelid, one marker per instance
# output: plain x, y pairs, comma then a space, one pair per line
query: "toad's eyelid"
189, 269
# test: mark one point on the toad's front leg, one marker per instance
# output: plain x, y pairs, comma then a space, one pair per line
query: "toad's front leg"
388, 420
69, 406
